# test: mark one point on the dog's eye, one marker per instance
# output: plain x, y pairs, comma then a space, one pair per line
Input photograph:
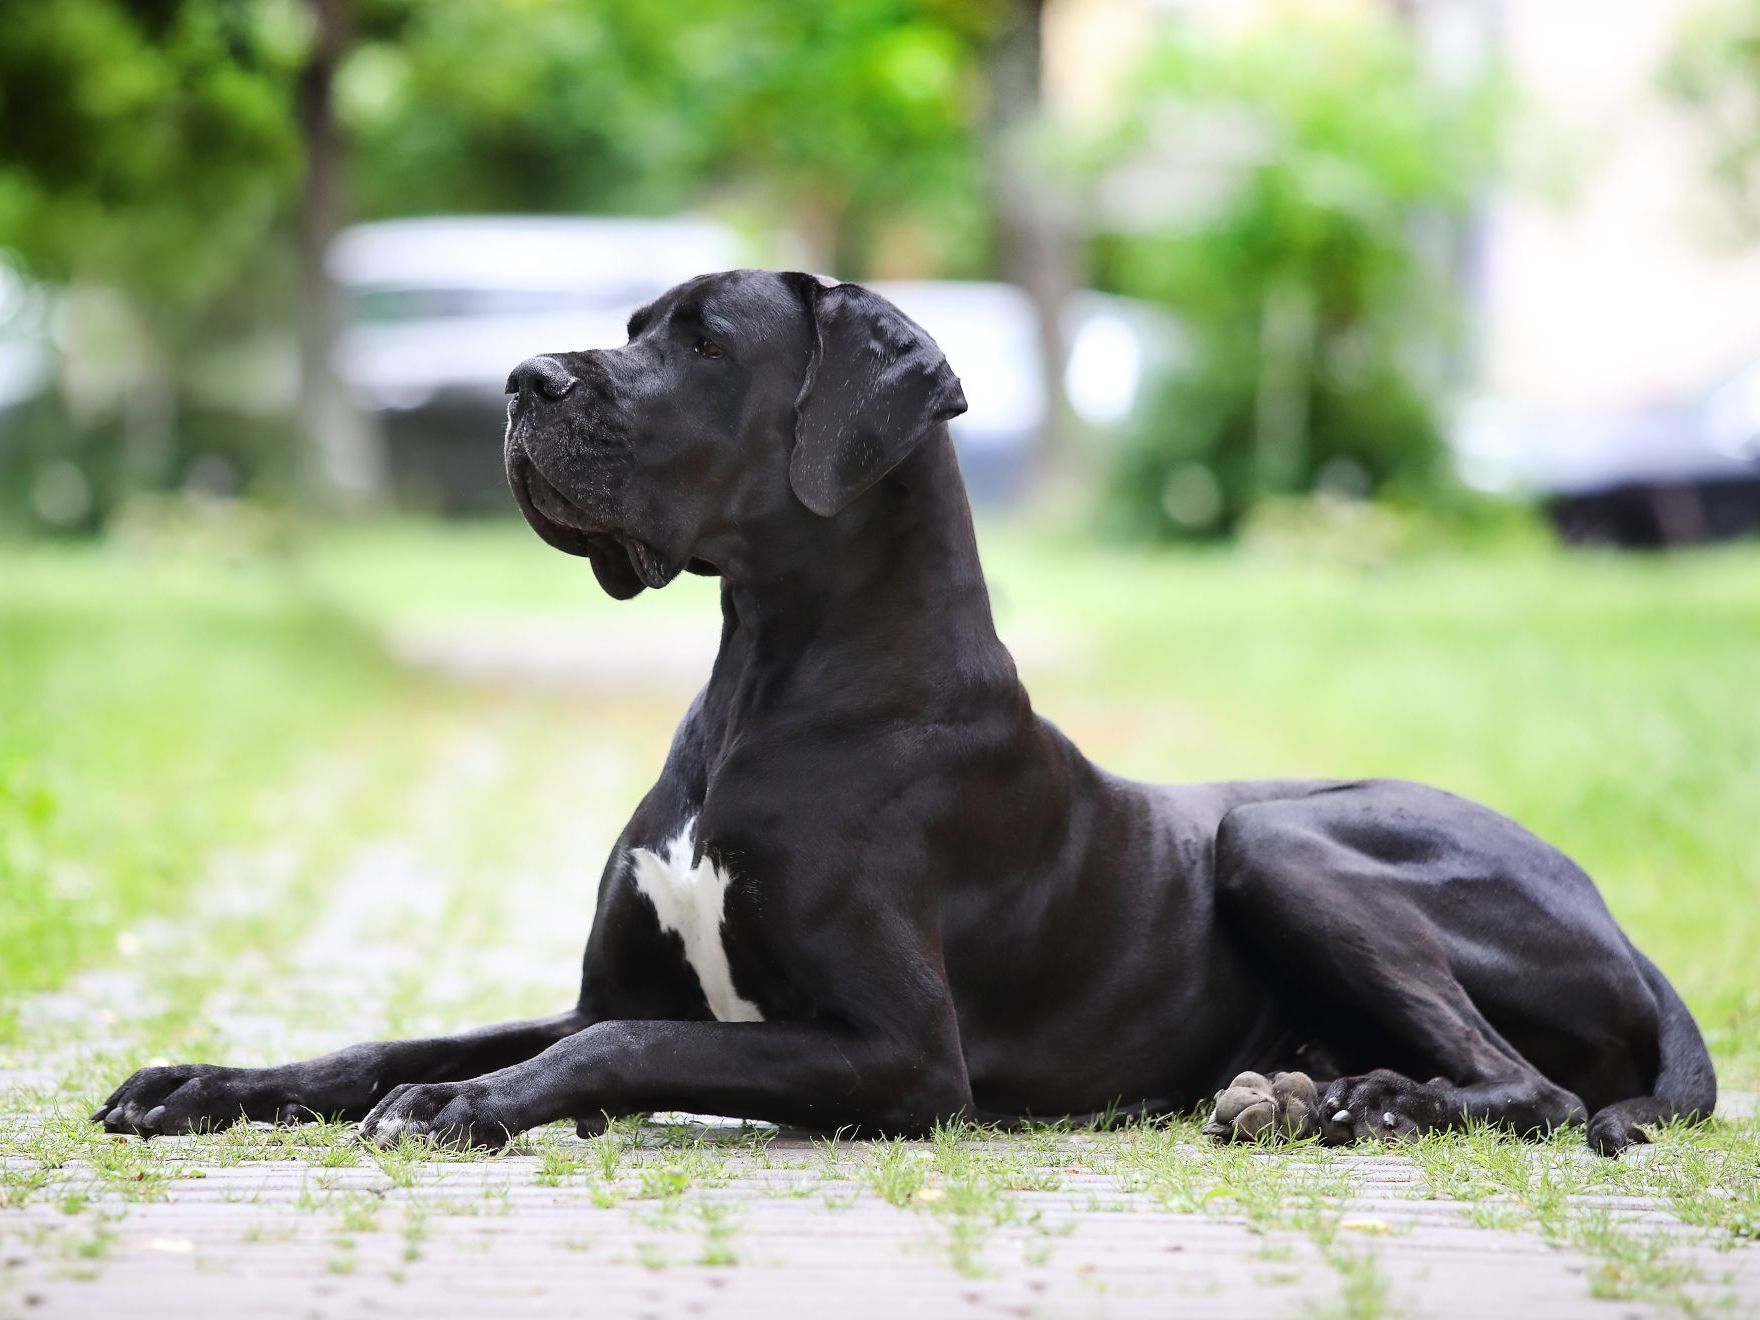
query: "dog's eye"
707, 348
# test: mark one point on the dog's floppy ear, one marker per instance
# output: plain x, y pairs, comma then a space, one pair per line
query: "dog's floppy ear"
876, 385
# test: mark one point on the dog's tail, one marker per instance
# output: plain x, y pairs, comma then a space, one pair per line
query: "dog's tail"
1686, 1086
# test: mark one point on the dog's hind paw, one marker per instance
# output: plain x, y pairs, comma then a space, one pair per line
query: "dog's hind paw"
1255, 1108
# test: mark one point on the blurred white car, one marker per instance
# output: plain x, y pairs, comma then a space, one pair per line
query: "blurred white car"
1116, 346
441, 308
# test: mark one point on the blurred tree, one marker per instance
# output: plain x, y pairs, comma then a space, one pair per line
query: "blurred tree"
349, 450
143, 144
1270, 191
1035, 227
143, 148
185, 163
863, 117
150, 149
850, 118
1714, 71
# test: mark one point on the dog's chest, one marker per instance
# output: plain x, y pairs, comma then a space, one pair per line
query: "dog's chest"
690, 901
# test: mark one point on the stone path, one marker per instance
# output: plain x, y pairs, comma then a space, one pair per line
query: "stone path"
470, 845
495, 1238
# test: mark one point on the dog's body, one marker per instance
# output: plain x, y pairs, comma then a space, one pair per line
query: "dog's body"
873, 890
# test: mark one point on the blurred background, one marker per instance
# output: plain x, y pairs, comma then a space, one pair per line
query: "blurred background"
1193, 260
1356, 386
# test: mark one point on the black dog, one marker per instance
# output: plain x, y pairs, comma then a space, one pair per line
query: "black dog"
873, 890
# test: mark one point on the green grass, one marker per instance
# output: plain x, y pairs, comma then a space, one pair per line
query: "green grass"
147, 707
151, 703
1607, 702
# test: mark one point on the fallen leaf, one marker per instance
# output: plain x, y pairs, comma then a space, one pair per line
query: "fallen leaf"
1366, 1225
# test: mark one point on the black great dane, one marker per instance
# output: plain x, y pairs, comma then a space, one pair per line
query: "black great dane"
873, 890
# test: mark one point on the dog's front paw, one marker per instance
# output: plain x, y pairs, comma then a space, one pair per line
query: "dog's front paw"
1253, 1107
193, 1097
457, 1114
1382, 1106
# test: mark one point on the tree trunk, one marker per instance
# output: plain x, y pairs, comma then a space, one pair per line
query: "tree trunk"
1034, 229
345, 445
1281, 401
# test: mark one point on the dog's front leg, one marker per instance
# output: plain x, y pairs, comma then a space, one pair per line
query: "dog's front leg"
808, 1074
345, 1084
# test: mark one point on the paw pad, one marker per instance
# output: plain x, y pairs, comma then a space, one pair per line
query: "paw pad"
1253, 1107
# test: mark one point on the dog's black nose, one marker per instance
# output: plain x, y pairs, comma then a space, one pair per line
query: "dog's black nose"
540, 375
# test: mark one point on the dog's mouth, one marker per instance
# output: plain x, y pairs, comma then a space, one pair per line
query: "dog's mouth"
650, 565
623, 563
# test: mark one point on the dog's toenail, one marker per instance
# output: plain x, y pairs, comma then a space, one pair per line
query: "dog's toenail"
1342, 1116
1387, 1117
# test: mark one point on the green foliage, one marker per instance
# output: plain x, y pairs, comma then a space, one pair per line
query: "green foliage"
847, 117
484, 106
864, 116
147, 155
1303, 167
145, 144
1714, 71
155, 145
151, 161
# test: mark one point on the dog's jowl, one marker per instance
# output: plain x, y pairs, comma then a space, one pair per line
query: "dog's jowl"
872, 889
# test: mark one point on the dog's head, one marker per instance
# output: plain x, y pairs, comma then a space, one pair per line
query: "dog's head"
745, 403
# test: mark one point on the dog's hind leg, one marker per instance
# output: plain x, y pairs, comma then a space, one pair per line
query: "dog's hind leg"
1685, 1087
1355, 949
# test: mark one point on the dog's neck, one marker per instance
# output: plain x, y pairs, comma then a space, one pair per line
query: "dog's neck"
897, 573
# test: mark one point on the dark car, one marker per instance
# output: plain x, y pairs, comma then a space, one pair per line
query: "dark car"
1674, 473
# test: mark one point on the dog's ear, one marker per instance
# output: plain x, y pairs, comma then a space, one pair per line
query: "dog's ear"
876, 384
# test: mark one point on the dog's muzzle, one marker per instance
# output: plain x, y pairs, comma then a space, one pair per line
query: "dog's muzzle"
555, 517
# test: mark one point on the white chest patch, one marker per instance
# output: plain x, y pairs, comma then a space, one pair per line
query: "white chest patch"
689, 901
